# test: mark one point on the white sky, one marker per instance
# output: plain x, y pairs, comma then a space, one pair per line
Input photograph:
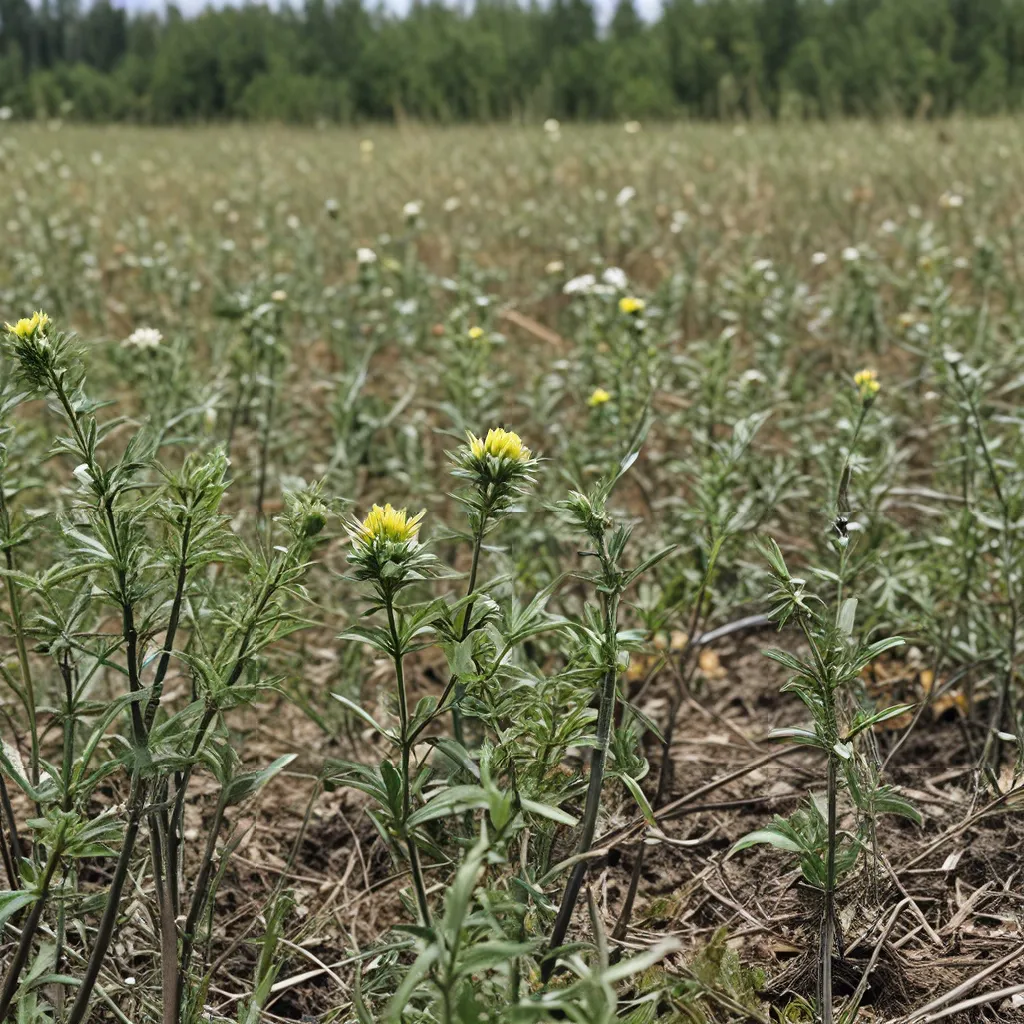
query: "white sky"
648, 8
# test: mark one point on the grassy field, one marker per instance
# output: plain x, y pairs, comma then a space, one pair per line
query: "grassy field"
269, 754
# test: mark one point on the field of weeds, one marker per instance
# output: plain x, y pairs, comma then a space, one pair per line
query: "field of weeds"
512, 574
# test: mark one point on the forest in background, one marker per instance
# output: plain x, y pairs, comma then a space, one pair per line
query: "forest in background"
346, 62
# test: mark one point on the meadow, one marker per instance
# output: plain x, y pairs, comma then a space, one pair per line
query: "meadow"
694, 695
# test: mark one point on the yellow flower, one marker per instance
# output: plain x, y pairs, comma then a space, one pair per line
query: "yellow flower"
599, 397
631, 304
502, 444
476, 333
27, 326
389, 524
867, 384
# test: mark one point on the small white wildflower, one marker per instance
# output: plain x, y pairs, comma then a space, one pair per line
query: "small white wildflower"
760, 266
451, 204
582, 285
851, 254
551, 126
632, 127
332, 207
365, 256
143, 338
554, 267
6, 113
279, 296
818, 258
616, 278
292, 222
412, 210
889, 226
951, 201
624, 196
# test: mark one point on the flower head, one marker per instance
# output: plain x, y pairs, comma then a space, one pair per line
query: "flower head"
389, 525
498, 467
499, 444
365, 256
581, 285
867, 384
28, 327
631, 305
476, 333
598, 397
143, 338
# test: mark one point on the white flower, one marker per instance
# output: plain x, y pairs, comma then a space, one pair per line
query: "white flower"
889, 226
292, 222
551, 126
366, 147
624, 196
582, 285
143, 338
632, 127
451, 204
951, 200
760, 266
851, 254
818, 258
616, 277
82, 475
554, 267
6, 113
412, 210
365, 256
332, 206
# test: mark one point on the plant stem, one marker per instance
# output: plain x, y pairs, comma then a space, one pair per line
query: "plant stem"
12, 828
268, 418
828, 918
605, 717
28, 933
26, 669
172, 626
406, 752
137, 802
460, 690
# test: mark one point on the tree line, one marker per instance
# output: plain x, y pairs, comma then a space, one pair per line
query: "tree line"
341, 60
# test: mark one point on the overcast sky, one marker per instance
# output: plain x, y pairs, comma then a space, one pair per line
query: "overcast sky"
648, 8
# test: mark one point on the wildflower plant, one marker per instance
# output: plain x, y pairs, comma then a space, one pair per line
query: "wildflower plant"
139, 545
826, 681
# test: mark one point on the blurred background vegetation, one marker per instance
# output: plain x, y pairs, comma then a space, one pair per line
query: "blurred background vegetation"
345, 62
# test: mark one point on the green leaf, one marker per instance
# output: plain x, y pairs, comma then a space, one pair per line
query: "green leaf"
878, 716
769, 836
365, 715
247, 783
638, 795
847, 616
547, 811
12, 902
